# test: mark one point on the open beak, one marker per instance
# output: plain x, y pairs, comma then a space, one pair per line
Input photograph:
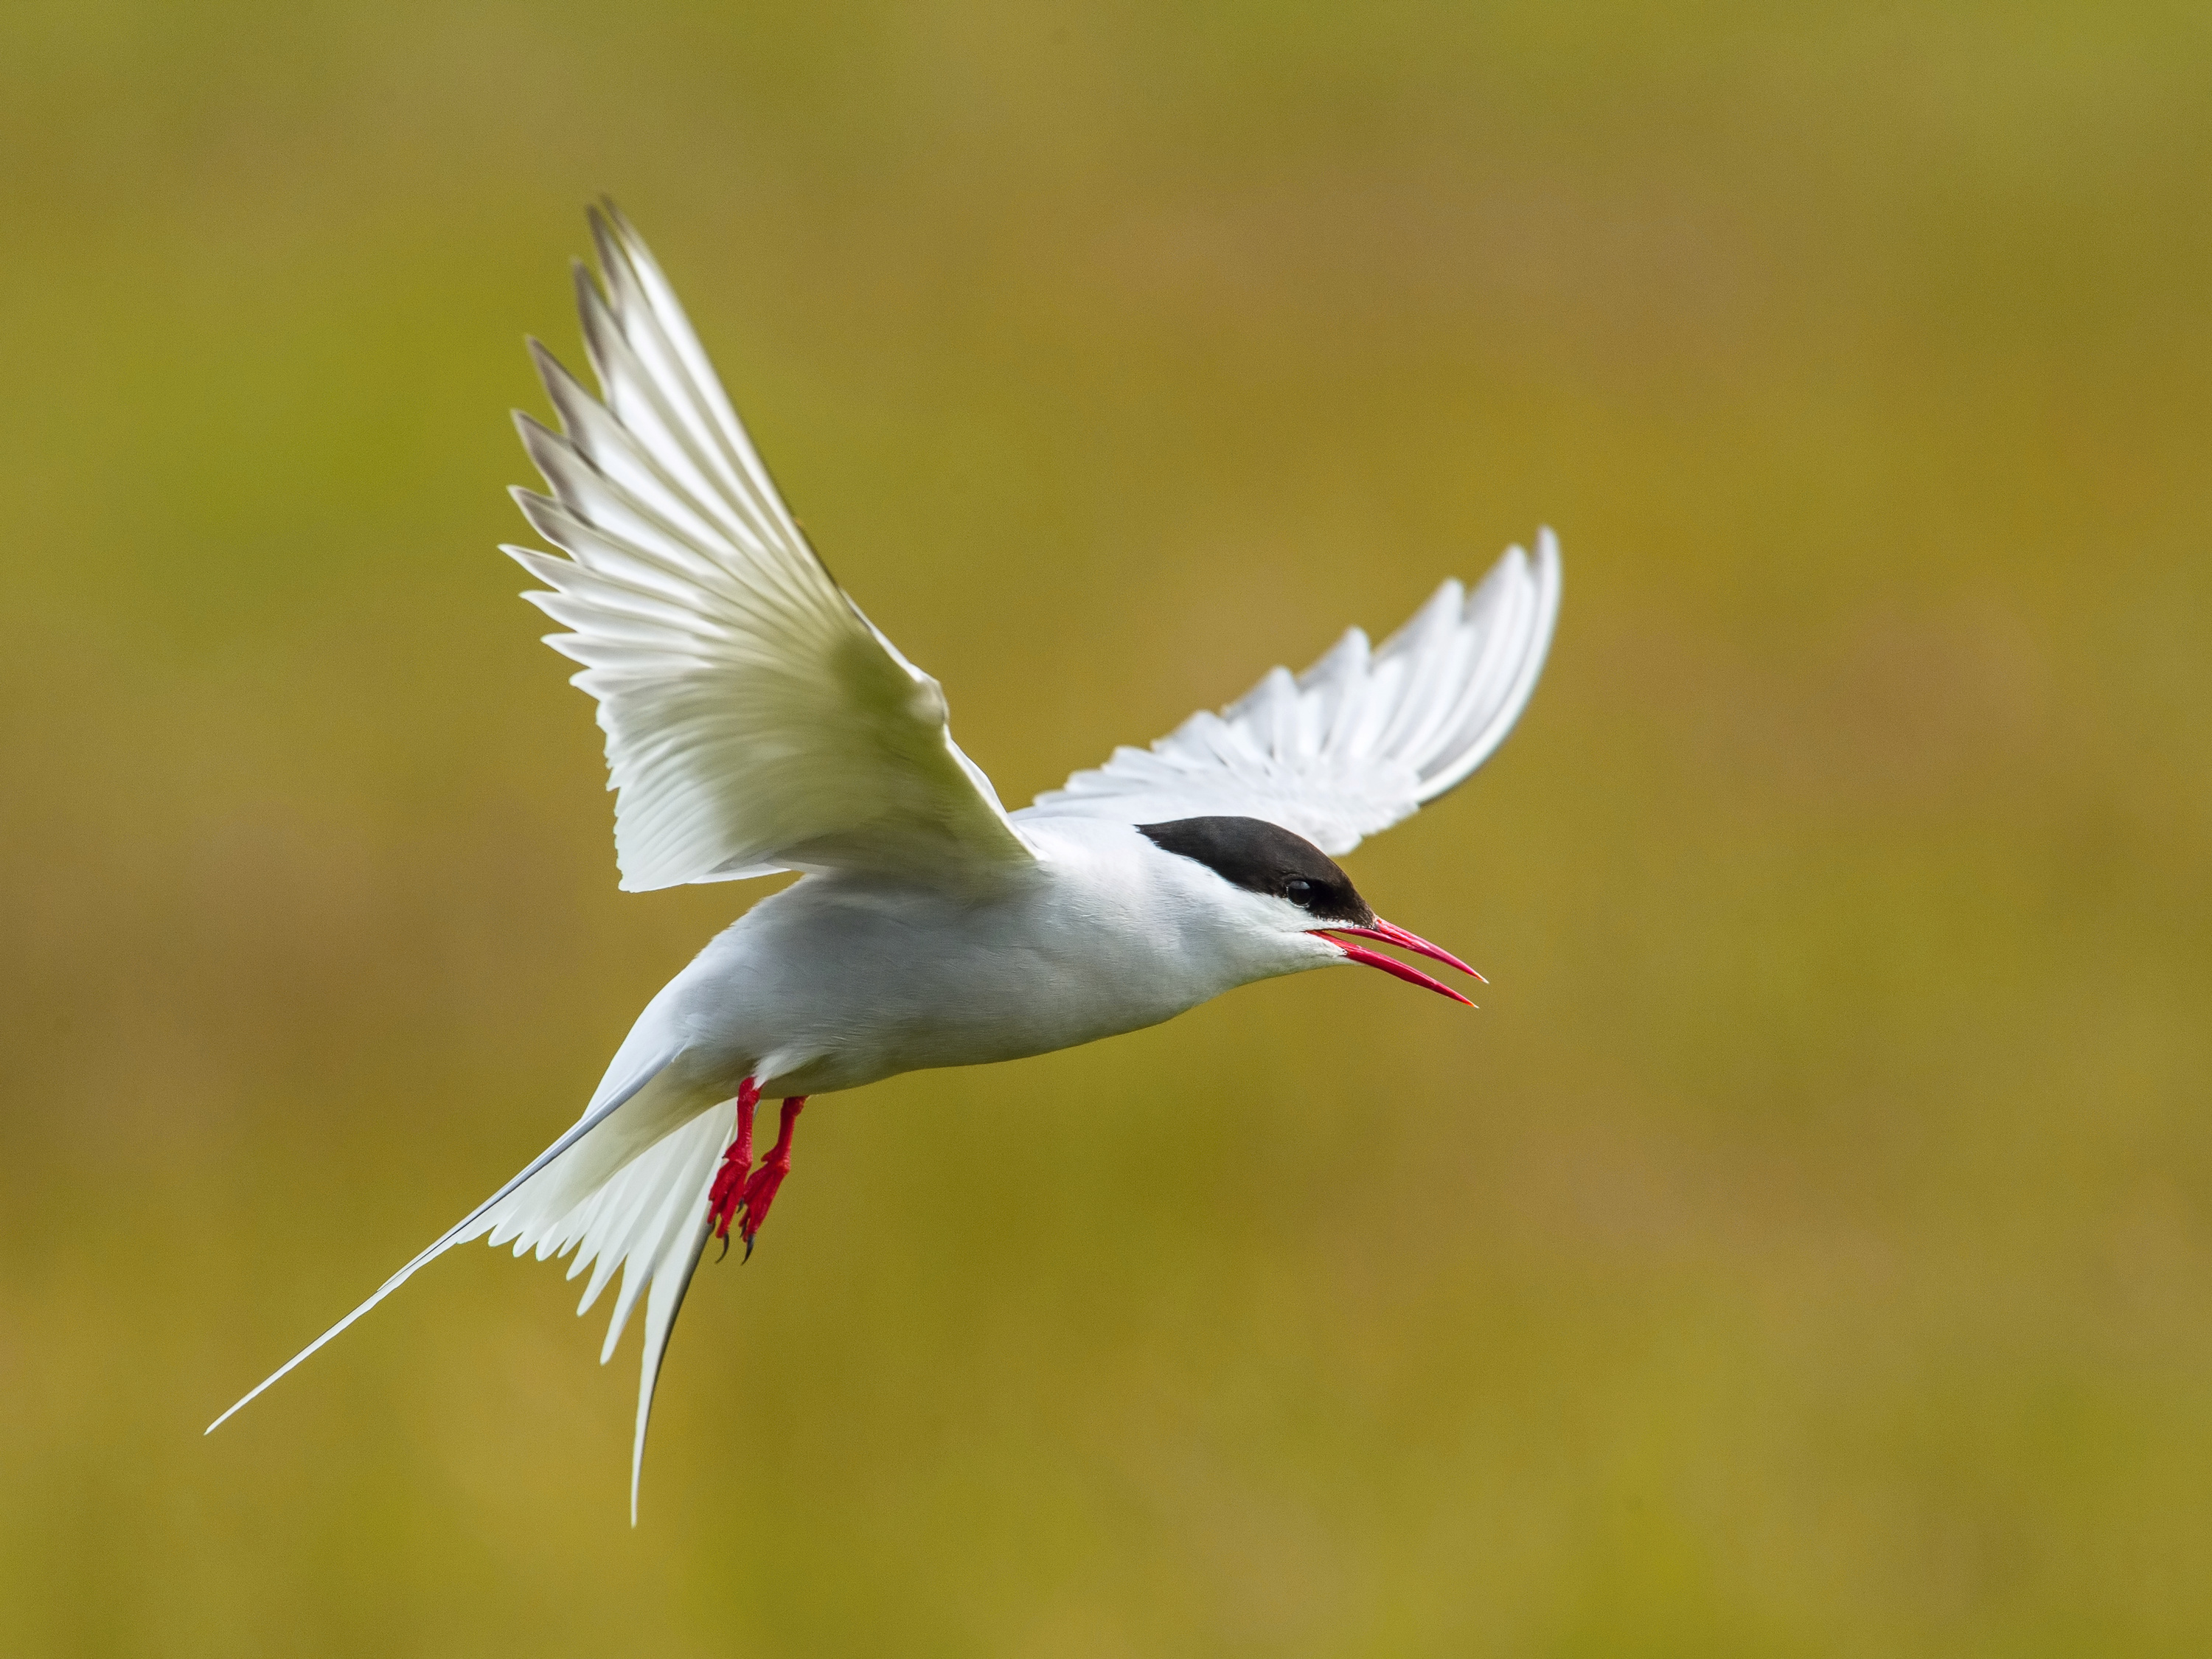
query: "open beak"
1391, 934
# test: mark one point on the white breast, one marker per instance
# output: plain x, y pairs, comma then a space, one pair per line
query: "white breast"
836, 981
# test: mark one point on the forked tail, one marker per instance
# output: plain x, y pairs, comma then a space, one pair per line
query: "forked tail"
626, 1187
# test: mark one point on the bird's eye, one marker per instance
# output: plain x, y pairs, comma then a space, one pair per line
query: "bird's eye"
1297, 890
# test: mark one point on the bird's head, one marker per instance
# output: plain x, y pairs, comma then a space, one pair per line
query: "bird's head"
1285, 891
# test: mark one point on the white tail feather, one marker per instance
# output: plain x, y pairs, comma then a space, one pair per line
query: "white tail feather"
647, 1218
637, 1094
625, 1188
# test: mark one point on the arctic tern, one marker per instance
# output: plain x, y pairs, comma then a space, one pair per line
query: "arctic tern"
757, 722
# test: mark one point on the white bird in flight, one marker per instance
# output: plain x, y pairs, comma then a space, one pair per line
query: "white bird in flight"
757, 722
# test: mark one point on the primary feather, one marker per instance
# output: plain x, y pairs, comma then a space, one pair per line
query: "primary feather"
1361, 740
756, 720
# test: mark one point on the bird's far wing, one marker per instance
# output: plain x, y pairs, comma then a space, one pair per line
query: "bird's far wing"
1361, 740
756, 720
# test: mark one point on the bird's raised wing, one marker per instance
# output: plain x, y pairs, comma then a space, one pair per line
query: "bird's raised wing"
756, 720
1361, 740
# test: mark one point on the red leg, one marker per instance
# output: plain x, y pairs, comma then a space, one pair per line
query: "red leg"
728, 1191
760, 1189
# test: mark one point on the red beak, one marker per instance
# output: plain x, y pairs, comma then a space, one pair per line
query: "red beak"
1391, 934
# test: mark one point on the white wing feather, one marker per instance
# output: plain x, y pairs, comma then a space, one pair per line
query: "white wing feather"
756, 720
1363, 738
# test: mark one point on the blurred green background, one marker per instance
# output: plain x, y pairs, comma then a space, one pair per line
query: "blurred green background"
1807, 1251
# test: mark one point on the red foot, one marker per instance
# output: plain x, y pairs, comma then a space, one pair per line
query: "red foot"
741, 1193
760, 1189
727, 1194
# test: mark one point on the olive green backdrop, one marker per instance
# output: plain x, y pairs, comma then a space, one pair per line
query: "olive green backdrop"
1807, 1251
